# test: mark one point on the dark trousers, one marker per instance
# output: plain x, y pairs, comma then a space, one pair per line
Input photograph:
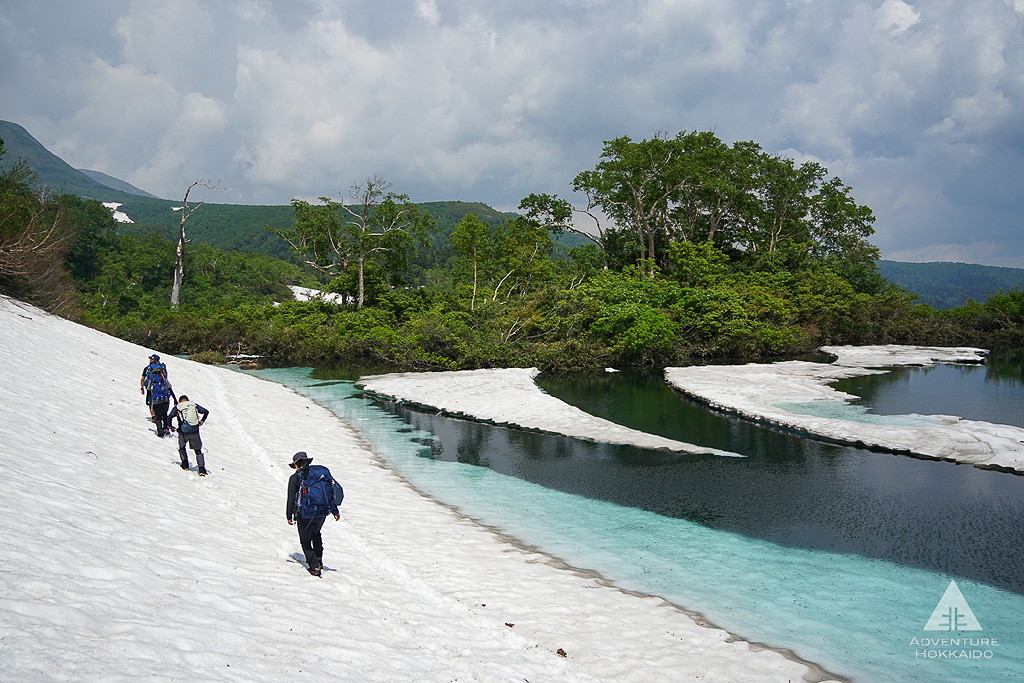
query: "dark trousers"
191, 439
312, 542
163, 425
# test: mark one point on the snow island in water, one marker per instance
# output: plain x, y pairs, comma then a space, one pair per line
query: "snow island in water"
509, 397
796, 395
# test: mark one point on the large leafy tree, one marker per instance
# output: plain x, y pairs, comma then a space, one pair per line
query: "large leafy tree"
378, 229
766, 210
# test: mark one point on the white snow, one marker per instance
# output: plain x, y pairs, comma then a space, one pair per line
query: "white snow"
889, 355
119, 216
117, 565
795, 394
510, 397
307, 294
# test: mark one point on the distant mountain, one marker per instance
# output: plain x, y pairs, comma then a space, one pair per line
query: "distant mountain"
225, 226
116, 183
946, 285
54, 173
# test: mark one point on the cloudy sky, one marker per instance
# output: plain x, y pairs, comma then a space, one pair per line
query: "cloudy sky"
918, 106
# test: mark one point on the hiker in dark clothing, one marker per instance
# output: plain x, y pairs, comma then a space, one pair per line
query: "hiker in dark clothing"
160, 396
144, 383
309, 528
191, 417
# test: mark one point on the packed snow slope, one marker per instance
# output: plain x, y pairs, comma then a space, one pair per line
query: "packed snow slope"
118, 565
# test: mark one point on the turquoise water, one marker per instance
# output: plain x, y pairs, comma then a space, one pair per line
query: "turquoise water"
854, 614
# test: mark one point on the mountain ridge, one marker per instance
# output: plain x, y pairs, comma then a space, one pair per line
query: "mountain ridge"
115, 183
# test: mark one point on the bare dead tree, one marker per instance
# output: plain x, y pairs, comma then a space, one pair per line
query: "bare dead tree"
32, 257
186, 212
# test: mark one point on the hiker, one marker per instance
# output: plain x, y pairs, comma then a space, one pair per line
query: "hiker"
311, 495
191, 417
154, 363
160, 396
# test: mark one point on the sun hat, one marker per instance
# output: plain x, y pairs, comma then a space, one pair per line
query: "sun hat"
298, 458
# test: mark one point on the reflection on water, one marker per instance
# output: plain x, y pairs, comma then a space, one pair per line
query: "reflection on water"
993, 392
794, 490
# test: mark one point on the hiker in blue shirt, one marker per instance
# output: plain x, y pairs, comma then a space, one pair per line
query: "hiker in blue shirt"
309, 514
191, 417
160, 396
154, 363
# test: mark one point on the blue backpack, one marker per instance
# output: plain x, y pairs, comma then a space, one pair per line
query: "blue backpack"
153, 365
160, 390
318, 493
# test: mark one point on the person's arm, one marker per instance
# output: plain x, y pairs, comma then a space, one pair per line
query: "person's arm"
293, 490
203, 413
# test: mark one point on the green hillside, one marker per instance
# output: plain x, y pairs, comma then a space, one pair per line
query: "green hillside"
224, 226
116, 183
946, 285
54, 173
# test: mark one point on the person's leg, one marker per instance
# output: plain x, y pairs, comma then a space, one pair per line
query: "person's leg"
160, 411
196, 443
181, 450
306, 527
316, 542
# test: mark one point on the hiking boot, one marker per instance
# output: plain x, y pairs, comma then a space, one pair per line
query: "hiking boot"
315, 572
184, 465
202, 471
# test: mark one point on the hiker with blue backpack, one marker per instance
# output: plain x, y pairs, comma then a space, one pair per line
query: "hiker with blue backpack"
191, 417
147, 373
312, 495
160, 396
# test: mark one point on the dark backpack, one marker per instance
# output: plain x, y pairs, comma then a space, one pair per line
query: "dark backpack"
316, 492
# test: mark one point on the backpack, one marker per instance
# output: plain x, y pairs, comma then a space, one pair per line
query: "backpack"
149, 372
159, 390
189, 417
316, 493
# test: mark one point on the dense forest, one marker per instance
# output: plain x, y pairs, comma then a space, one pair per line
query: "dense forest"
689, 249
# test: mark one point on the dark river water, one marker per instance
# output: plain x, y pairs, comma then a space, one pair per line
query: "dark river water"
837, 552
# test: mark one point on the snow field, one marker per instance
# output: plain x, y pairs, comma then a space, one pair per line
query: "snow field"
118, 565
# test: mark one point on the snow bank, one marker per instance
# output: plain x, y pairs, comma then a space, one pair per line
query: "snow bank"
889, 355
117, 565
796, 395
119, 216
307, 294
510, 397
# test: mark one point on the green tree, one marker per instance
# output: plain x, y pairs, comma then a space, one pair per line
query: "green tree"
380, 226
768, 211
471, 240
